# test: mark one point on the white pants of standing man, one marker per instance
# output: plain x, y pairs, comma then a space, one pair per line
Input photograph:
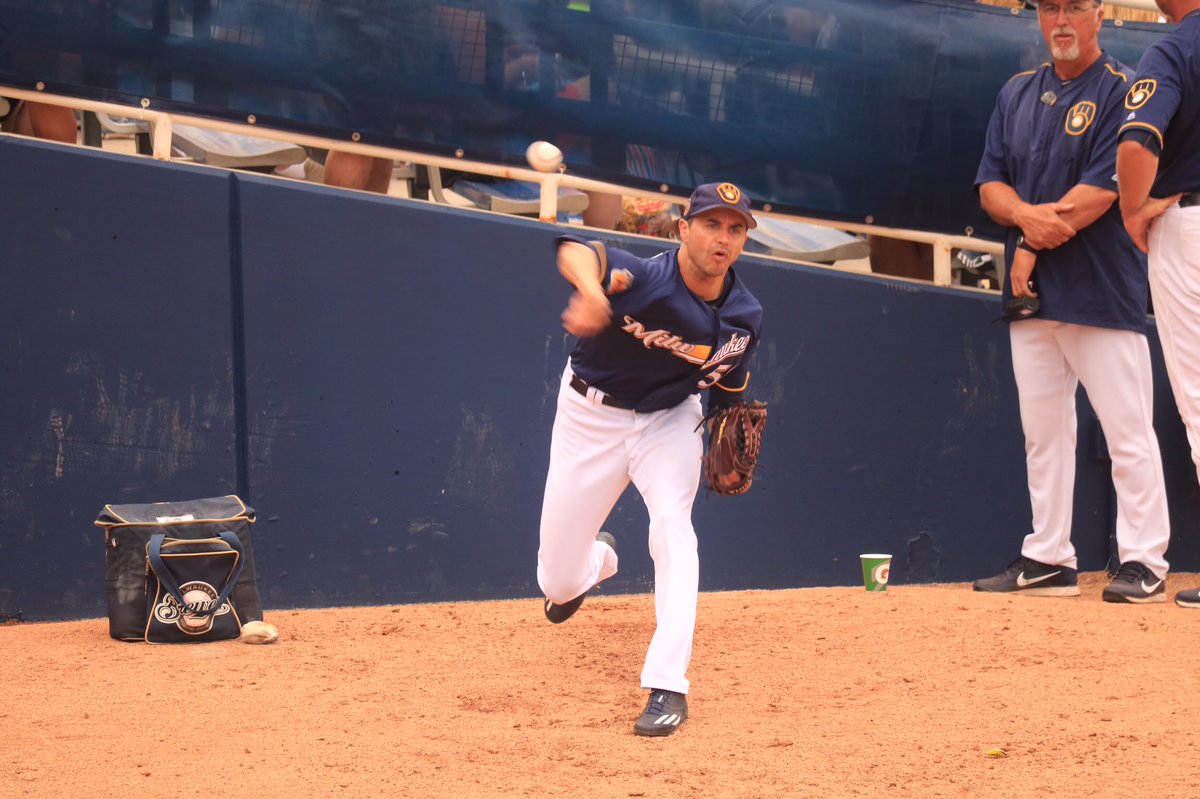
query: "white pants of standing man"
595, 451
1175, 287
1050, 359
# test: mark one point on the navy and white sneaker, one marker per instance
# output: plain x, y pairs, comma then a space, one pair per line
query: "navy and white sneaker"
664, 712
557, 614
1031, 578
1135, 583
1189, 598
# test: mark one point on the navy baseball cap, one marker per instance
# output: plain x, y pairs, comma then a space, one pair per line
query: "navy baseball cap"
711, 196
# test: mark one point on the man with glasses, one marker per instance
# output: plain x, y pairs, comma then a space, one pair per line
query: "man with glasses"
1158, 167
1080, 292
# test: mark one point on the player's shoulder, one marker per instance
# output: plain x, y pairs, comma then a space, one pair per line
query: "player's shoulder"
1175, 52
1116, 73
1023, 77
639, 275
1020, 85
659, 262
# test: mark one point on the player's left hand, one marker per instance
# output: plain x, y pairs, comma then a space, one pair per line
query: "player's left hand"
725, 484
1137, 224
1021, 273
735, 436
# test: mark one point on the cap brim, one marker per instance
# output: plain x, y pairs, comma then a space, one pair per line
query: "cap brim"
750, 221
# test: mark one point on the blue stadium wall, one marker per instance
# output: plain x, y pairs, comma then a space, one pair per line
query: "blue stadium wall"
377, 377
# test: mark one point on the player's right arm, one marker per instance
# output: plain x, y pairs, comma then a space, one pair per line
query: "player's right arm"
588, 311
1137, 167
1151, 103
1041, 224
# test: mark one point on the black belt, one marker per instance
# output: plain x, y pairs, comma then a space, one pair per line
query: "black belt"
1189, 199
582, 387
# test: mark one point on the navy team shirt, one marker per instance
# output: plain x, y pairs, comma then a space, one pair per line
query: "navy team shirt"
664, 343
1042, 150
1156, 104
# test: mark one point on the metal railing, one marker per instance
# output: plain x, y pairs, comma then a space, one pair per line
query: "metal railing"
161, 124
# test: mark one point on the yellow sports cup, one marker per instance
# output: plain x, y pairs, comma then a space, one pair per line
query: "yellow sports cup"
875, 568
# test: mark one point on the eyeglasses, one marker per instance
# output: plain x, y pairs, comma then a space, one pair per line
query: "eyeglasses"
1073, 9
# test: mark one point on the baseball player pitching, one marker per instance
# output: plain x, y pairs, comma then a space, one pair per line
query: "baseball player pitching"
653, 333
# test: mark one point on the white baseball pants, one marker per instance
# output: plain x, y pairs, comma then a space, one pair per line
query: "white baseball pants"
1175, 287
1050, 359
594, 453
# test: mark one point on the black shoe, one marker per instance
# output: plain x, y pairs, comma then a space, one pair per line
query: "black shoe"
1031, 578
1189, 598
664, 712
557, 614
1135, 583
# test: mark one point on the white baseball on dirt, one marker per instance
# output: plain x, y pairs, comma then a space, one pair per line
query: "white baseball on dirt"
544, 156
259, 632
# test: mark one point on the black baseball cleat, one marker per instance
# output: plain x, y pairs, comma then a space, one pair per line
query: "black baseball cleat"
1135, 583
1031, 578
557, 614
1189, 598
664, 712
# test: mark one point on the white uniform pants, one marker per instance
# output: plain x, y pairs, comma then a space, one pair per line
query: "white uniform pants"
1050, 359
595, 451
1175, 287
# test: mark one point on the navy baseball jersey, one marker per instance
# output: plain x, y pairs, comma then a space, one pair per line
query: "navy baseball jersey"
664, 343
1156, 104
1045, 137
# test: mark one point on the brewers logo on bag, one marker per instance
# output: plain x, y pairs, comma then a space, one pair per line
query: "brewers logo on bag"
188, 585
197, 595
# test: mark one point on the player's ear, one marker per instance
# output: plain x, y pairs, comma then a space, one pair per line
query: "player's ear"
683, 229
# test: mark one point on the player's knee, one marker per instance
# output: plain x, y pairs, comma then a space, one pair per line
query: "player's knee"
672, 538
559, 590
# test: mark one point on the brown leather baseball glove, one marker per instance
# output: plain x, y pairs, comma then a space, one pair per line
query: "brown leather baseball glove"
735, 435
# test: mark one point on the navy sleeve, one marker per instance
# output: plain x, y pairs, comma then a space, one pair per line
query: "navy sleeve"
1143, 137
732, 388
993, 166
619, 269
1153, 99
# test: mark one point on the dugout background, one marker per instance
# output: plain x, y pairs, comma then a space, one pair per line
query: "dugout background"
377, 378
854, 110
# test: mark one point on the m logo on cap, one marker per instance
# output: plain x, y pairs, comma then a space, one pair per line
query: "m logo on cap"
729, 193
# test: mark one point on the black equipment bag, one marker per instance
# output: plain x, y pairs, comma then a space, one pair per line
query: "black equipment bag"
188, 583
127, 531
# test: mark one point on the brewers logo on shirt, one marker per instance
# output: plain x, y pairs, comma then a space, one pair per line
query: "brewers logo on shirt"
1080, 117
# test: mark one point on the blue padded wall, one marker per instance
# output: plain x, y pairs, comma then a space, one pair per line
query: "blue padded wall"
401, 362
115, 349
391, 369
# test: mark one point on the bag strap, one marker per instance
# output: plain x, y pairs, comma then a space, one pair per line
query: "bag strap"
171, 585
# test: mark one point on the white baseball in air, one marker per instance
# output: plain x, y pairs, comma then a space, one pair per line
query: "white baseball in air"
544, 156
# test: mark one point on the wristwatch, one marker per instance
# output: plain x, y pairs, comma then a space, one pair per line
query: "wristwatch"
1021, 245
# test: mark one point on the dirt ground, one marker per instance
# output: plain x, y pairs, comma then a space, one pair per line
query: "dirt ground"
821, 692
